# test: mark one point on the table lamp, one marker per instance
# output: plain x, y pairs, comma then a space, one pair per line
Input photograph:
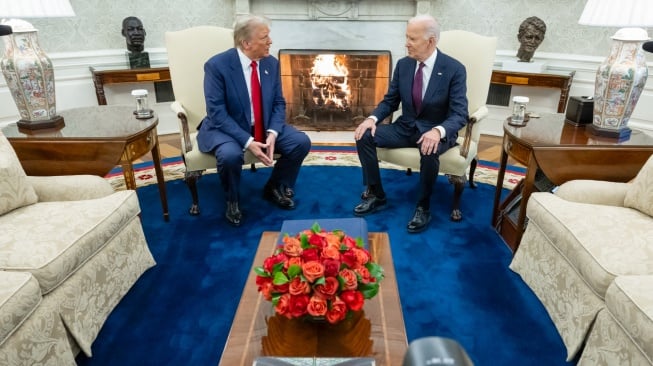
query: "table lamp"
621, 78
27, 69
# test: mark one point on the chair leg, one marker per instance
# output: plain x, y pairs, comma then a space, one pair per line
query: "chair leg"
458, 182
252, 167
409, 171
191, 179
472, 170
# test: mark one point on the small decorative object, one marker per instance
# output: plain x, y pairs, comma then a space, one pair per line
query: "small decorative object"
518, 111
319, 275
142, 108
530, 35
134, 33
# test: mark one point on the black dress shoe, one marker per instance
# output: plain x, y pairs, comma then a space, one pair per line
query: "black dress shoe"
276, 196
420, 220
233, 214
287, 191
370, 204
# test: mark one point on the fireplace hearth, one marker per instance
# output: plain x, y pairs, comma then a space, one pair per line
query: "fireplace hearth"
332, 90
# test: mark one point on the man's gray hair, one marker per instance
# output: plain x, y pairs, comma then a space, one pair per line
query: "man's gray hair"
244, 25
432, 26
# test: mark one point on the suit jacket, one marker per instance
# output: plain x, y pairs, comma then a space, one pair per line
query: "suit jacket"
228, 105
444, 103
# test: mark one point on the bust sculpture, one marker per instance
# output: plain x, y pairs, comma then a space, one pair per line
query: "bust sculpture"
530, 36
134, 33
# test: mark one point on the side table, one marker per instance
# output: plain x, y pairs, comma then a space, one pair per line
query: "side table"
561, 152
120, 76
560, 81
93, 141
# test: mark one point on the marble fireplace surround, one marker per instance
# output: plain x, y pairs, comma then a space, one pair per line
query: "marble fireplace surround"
337, 24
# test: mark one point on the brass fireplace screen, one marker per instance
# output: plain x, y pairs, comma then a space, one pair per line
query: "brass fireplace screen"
332, 90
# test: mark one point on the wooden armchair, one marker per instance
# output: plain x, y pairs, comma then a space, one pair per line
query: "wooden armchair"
477, 53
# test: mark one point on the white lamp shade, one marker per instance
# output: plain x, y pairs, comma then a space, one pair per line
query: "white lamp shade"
35, 8
618, 13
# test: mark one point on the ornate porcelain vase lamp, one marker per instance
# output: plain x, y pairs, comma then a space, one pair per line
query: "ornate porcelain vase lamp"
27, 69
621, 77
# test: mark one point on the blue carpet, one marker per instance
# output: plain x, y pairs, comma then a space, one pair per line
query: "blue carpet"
453, 279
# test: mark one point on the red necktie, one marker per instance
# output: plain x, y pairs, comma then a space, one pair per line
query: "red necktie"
257, 105
417, 88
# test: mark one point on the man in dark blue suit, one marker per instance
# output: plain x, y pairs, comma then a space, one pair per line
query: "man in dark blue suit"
231, 79
431, 88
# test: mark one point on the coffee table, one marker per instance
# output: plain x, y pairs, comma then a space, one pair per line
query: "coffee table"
93, 141
378, 332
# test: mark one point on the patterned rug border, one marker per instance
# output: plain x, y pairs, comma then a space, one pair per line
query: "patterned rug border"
173, 168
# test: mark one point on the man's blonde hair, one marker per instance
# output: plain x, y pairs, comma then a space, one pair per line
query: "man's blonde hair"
245, 25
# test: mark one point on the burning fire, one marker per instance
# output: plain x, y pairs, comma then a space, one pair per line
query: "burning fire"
329, 82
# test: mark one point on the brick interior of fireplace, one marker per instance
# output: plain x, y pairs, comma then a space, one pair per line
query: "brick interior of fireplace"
337, 92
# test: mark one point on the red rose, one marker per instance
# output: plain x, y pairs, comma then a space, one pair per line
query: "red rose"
312, 270
297, 305
280, 289
349, 258
298, 287
272, 260
363, 273
337, 311
310, 254
329, 288
331, 267
353, 299
282, 307
317, 306
349, 242
316, 240
265, 286
349, 279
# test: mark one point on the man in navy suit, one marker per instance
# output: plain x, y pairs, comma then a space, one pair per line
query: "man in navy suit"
434, 108
228, 130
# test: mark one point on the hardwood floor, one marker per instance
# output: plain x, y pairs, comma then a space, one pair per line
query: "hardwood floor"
489, 148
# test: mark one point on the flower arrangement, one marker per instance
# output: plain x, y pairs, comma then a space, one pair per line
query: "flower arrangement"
319, 274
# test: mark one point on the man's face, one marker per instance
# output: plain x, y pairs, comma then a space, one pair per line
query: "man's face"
134, 32
531, 39
417, 46
258, 46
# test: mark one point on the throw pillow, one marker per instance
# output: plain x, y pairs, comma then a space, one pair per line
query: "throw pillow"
15, 191
640, 194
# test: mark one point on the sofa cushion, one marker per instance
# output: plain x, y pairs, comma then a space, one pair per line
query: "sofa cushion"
630, 301
15, 191
19, 297
53, 239
640, 194
599, 241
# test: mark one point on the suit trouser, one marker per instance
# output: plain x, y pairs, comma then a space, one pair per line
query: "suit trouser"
396, 135
292, 146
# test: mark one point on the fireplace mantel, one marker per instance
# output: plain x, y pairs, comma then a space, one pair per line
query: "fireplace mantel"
375, 10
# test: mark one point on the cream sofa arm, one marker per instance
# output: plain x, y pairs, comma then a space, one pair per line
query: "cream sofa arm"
70, 187
594, 192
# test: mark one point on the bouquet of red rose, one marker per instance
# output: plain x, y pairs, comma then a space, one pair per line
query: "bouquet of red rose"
319, 274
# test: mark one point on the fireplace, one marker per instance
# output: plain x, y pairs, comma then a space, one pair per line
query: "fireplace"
328, 90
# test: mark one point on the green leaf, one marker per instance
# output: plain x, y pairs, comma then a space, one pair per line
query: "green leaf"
360, 242
369, 290
261, 272
316, 227
279, 278
375, 270
294, 270
278, 267
304, 240
320, 281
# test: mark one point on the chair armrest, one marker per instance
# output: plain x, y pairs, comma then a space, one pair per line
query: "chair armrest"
70, 187
179, 110
474, 118
594, 192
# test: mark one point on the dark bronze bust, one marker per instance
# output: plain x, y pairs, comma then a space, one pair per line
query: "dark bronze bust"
530, 36
134, 33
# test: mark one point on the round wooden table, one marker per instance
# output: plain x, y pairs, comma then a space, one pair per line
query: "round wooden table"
93, 141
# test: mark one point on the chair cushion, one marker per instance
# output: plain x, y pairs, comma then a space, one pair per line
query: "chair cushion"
600, 242
19, 297
15, 191
630, 301
640, 195
52, 240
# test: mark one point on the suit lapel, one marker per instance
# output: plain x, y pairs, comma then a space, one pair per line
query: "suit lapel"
439, 69
238, 80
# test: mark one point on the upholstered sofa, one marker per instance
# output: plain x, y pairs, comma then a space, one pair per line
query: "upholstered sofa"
587, 253
70, 249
